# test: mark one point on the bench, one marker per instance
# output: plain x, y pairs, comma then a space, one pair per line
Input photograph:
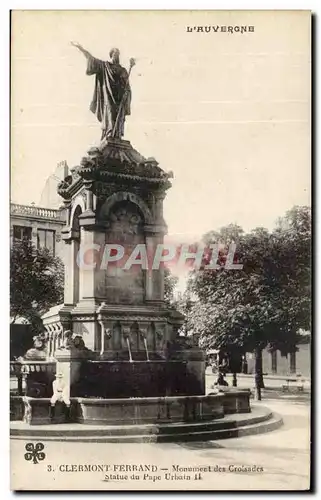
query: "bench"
298, 381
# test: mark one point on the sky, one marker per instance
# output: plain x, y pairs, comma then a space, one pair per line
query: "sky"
229, 114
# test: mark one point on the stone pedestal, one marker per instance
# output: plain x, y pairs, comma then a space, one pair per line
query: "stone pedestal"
114, 285
114, 206
195, 361
69, 363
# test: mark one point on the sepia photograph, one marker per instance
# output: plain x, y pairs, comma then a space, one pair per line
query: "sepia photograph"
160, 250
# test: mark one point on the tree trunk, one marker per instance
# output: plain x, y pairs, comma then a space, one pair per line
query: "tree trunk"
292, 362
274, 362
244, 364
259, 384
234, 380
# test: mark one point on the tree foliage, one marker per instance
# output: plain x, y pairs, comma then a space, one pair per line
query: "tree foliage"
170, 282
36, 281
266, 303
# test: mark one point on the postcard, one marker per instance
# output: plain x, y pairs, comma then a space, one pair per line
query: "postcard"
160, 259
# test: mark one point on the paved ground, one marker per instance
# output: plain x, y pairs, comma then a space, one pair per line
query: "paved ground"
281, 459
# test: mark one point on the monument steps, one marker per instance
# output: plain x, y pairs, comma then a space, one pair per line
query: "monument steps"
261, 420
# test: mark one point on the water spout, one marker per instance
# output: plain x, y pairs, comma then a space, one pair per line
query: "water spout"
146, 349
129, 350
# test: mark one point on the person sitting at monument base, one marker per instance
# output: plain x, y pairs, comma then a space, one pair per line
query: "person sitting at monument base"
60, 394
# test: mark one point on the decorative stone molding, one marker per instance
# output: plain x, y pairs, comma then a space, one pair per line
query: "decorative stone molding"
84, 318
114, 160
129, 197
133, 319
69, 234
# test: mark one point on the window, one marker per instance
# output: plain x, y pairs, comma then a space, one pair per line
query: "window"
21, 233
46, 239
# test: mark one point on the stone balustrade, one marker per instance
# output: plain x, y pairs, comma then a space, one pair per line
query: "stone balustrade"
32, 211
30, 374
38, 367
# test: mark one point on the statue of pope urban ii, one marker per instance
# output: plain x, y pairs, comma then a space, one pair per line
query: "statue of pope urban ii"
112, 94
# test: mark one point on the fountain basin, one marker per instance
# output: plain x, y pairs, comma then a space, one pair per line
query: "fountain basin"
127, 379
149, 410
133, 411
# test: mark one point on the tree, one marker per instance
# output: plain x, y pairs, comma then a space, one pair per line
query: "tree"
292, 245
227, 234
230, 313
36, 282
170, 282
265, 303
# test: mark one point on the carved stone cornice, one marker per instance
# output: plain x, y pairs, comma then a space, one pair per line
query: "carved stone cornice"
133, 319
115, 161
69, 186
84, 318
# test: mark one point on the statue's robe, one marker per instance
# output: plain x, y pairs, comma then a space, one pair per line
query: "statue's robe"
112, 95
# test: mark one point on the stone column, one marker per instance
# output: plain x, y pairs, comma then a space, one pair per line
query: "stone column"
154, 281
149, 272
158, 274
87, 275
89, 197
91, 276
71, 291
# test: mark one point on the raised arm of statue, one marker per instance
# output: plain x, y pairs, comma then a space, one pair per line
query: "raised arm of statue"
81, 48
94, 65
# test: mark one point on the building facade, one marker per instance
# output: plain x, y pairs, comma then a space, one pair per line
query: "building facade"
41, 226
274, 363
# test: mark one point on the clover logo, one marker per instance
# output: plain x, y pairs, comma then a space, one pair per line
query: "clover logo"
34, 452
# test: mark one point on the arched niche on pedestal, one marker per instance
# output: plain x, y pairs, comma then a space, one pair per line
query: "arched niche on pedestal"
75, 245
125, 197
123, 217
